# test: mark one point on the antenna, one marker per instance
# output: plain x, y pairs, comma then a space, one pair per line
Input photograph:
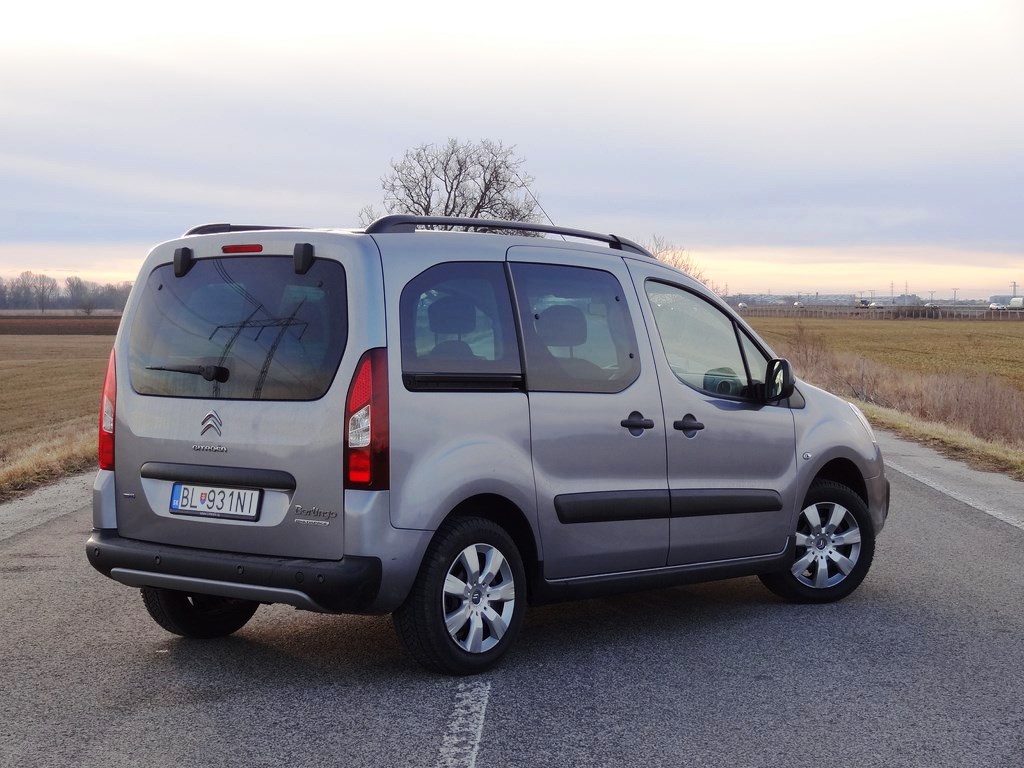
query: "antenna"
534, 198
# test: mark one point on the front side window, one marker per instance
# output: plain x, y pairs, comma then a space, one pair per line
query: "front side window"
457, 327
240, 328
577, 329
703, 345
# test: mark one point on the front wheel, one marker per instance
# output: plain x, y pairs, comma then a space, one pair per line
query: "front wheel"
835, 542
197, 616
468, 601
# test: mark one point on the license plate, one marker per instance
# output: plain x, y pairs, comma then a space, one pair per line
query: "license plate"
215, 501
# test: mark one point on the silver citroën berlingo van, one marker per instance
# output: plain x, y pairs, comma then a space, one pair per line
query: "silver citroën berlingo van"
448, 425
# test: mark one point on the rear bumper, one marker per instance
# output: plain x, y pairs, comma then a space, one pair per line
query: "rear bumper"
349, 585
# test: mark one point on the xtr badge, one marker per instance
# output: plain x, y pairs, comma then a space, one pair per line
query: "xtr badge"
313, 515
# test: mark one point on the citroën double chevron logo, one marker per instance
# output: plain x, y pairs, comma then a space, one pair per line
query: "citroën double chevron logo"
213, 421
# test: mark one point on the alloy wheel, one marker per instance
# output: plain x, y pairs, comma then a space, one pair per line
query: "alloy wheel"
828, 544
479, 598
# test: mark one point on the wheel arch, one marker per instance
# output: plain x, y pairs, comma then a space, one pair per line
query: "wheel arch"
844, 472
503, 512
818, 574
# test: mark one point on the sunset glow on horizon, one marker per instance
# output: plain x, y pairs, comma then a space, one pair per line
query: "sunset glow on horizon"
790, 147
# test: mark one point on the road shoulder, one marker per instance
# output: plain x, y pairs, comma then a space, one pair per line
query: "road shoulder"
989, 492
45, 504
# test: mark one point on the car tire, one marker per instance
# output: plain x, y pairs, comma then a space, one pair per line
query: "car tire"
467, 604
197, 616
835, 543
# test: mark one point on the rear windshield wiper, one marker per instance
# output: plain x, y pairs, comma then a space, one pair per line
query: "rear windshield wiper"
208, 372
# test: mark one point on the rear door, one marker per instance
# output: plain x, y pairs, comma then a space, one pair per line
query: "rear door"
232, 379
597, 432
731, 459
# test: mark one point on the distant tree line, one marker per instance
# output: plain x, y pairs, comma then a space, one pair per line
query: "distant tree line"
36, 291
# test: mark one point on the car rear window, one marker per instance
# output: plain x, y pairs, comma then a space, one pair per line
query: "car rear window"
240, 328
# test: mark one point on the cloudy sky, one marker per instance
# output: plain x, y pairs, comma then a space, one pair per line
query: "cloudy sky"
789, 145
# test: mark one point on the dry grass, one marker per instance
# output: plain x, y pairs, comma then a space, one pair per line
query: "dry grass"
953, 385
51, 390
69, 449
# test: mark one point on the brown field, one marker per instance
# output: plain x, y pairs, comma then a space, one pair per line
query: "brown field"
50, 406
50, 325
919, 346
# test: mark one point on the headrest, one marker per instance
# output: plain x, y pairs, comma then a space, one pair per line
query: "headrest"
562, 325
451, 315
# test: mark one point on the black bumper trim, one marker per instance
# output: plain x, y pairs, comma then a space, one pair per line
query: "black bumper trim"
349, 585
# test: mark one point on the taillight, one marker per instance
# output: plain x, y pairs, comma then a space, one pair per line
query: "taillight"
366, 424
108, 401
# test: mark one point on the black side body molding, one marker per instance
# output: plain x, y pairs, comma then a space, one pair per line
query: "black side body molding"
713, 501
608, 506
543, 591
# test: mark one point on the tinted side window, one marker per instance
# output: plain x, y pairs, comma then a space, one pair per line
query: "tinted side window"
577, 330
702, 343
268, 333
456, 321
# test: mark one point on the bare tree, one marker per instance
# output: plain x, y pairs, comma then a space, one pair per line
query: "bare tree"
81, 294
466, 179
43, 289
113, 295
679, 258
19, 290
3, 293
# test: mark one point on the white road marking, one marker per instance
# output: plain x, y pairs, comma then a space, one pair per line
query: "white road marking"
962, 498
461, 740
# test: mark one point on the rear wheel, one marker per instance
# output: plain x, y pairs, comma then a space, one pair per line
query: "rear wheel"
197, 616
467, 604
835, 543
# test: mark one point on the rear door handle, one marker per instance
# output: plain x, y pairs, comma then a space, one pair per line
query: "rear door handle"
636, 423
688, 423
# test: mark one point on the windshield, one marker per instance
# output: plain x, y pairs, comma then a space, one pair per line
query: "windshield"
243, 328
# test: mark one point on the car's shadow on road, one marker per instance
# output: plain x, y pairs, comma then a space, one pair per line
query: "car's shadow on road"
281, 646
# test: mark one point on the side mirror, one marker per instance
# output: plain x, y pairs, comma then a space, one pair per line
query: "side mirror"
778, 381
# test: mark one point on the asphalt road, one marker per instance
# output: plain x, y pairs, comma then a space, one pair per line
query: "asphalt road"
922, 666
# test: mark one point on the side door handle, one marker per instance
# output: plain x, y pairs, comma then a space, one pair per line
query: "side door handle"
688, 424
636, 423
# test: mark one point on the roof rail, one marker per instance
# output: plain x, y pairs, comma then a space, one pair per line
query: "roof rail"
213, 229
408, 223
